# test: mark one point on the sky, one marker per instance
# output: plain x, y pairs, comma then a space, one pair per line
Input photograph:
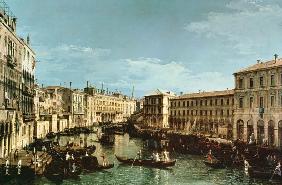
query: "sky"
180, 46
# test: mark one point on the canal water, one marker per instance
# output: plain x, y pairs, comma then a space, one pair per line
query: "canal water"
188, 170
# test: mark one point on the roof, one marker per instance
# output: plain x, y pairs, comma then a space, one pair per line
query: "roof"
160, 92
206, 94
262, 65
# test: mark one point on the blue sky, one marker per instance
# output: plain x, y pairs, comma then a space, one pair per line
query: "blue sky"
181, 45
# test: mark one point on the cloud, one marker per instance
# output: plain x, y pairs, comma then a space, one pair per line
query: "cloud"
151, 73
248, 26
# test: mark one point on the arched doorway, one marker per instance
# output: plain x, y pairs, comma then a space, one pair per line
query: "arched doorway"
240, 129
271, 133
250, 129
280, 133
260, 131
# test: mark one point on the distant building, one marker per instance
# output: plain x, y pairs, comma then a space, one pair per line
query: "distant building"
203, 112
155, 109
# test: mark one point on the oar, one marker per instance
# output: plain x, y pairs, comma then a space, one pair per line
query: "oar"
134, 160
272, 176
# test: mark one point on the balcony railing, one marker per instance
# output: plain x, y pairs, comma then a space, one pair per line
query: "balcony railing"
11, 61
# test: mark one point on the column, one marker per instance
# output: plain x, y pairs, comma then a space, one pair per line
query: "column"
266, 131
245, 130
234, 130
276, 134
2, 148
256, 131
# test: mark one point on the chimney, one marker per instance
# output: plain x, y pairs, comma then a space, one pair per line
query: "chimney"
70, 84
87, 84
28, 39
258, 61
275, 57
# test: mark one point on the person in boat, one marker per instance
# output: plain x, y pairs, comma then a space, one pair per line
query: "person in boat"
154, 156
139, 154
247, 166
103, 160
73, 168
72, 157
86, 154
166, 157
19, 166
277, 170
157, 157
7, 167
67, 156
210, 156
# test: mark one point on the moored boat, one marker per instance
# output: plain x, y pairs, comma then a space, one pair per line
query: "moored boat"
146, 162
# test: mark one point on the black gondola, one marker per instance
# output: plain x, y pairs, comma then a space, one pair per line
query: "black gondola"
214, 164
146, 162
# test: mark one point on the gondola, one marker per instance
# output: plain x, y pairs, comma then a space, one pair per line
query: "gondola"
215, 164
108, 166
107, 139
263, 174
146, 162
50, 135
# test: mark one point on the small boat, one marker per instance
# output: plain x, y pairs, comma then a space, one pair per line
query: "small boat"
107, 139
146, 162
108, 166
50, 135
261, 173
215, 164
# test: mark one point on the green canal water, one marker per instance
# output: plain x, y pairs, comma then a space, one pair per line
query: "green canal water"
188, 170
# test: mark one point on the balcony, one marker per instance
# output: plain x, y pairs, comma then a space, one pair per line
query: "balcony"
28, 117
11, 104
12, 63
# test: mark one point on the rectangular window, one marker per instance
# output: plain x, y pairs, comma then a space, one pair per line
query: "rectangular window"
251, 102
281, 79
210, 102
272, 80
227, 112
272, 101
201, 112
227, 101
241, 102
201, 102
206, 102
261, 102
183, 112
261, 81
216, 102
192, 103
211, 112
187, 103
221, 101
251, 83
179, 104
221, 112
240, 85
188, 112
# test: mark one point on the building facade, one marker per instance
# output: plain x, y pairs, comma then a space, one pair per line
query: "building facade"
203, 112
258, 102
155, 109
